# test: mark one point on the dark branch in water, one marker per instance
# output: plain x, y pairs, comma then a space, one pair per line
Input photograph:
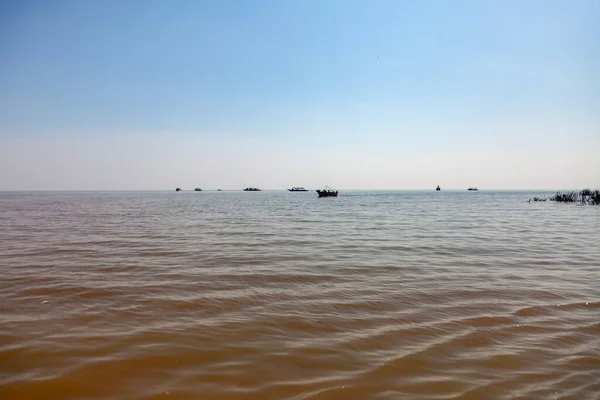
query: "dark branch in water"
585, 196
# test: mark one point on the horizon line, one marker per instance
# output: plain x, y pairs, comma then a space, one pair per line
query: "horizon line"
286, 189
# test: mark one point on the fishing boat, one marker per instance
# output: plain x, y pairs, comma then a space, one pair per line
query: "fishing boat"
178, 190
472, 189
328, 192
298, 189
197, 190
249, 189
438, 188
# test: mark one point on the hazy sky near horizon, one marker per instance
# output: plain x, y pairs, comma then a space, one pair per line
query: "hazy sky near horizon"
353, 94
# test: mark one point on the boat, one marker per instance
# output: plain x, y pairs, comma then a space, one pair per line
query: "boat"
438, 188
472, 189
178, 190
219, 190
197, 190
328, 192
249, 189
298, 189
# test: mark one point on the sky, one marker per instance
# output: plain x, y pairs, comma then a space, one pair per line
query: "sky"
382, 94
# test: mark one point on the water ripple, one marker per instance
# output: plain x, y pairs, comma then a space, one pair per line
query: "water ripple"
278, 295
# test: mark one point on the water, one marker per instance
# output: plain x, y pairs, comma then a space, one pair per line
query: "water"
278, 295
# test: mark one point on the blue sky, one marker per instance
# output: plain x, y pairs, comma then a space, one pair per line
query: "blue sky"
353, 94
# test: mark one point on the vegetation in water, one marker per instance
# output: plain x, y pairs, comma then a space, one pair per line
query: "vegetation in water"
585, 196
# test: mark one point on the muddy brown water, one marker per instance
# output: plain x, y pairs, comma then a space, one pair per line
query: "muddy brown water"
279, 295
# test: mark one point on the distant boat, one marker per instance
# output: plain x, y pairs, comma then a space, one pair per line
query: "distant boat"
298, 189
327, 192
438, 188
178, 190
473, 189
197, 190
249, 189
219, 190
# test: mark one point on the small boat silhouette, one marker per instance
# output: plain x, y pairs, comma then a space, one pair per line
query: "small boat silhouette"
328, 192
